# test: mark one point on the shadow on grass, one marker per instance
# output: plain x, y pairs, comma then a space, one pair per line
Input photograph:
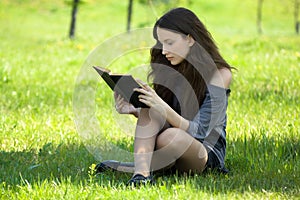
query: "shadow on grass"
50, 162
259, 165
255, 165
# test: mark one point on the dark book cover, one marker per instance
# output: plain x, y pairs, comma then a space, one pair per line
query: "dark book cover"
123, 84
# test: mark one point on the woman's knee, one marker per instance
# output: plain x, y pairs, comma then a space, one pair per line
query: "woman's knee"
168, 137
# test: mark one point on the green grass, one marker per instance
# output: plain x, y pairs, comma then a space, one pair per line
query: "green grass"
42, 154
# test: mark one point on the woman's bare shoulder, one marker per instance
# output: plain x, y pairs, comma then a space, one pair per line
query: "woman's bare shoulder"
222, 78
226, 76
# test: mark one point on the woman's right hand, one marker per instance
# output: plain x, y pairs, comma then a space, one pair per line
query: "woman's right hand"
124, 107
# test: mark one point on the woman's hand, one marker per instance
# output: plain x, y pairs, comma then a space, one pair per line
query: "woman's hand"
124, 107
149, 97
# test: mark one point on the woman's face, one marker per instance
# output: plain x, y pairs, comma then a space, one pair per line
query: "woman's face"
175, 46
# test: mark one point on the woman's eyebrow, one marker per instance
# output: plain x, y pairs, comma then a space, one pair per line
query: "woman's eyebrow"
166, 40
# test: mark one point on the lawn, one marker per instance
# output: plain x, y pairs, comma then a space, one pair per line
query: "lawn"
57, 116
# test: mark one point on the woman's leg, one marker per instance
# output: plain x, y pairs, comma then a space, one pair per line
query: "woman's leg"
148, 126
176, 147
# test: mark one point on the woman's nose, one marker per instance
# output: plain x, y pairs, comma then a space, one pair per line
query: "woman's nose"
164, 51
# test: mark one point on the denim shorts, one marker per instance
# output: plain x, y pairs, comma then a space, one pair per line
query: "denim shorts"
212, 161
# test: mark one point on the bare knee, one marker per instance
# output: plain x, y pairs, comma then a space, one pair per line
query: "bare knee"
180, 148
167, 138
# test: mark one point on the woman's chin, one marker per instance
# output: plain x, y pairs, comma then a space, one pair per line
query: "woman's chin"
174, 62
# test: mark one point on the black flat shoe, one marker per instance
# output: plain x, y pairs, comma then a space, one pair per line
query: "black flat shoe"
138, 180
113, 165
103, 167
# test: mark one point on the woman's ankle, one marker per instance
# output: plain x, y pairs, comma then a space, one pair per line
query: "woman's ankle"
145, 174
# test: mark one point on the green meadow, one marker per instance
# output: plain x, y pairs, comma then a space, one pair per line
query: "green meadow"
45, 153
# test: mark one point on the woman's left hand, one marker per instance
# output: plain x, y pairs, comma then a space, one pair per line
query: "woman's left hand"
149, 97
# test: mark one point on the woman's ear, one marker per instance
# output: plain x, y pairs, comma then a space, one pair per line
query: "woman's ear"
191, 40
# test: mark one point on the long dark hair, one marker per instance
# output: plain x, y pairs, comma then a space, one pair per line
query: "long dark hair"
184, 21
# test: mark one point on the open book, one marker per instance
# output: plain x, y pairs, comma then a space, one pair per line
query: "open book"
123, 84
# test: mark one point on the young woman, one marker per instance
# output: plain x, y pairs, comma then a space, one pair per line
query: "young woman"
184, 127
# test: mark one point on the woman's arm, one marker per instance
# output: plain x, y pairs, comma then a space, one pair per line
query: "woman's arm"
213, 109
221, 79
175, 119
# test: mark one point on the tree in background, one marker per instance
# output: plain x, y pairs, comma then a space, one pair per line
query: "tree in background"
259, 16
165, 5
129, 15
73, 19
296, 16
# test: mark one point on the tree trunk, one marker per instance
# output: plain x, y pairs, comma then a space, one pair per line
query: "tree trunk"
259, 16
73, 19
296, 15
129, 15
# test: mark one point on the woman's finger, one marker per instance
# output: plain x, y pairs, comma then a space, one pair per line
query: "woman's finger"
141, 96
146, 98
140, 82
119, 98
143, 84
143, 91
116, 94
146, 102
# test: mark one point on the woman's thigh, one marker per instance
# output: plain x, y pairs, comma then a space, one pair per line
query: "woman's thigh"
176, 147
